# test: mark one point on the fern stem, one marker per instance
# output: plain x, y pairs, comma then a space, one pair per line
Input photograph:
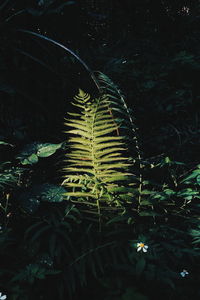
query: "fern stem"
94, 164
92, 75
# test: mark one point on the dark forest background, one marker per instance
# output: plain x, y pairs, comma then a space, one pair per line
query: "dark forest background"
150, 50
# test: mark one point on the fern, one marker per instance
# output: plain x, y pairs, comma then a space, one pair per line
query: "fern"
120, 108
97, 173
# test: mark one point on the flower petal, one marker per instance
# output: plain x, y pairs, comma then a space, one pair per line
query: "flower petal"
144, 249
3, 297
138, 249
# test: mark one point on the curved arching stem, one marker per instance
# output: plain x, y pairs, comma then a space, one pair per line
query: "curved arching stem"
94, 78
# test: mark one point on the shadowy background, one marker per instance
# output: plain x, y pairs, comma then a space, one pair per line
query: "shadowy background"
149, 48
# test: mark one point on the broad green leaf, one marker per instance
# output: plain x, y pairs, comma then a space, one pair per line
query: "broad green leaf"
32, 159
31, 152
27, 152
51, 192
48, 149
30, 199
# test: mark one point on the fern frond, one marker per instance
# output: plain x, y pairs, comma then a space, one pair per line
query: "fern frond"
97, 161
116, 101
119, 107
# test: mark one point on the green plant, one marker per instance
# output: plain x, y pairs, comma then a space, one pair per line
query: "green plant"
97, 171
80, 239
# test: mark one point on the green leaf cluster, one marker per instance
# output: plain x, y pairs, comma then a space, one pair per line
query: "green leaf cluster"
31, 153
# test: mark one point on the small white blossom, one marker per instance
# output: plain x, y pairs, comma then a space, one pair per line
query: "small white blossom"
2, 297
184, 273
142, 246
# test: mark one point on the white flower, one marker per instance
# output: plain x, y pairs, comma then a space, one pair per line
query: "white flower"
2, 297
184, 273
142, 246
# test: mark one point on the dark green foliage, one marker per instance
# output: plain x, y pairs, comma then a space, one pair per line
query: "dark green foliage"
9, 175
30, 200
79, 238
31, 153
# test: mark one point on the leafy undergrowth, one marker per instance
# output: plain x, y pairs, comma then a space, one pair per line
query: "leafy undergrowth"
104, 210
129, 237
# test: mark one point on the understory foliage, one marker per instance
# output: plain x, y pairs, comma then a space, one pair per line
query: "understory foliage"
98, 207
70, 236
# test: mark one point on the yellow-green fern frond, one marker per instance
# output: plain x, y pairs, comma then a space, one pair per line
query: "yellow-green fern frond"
97, 168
